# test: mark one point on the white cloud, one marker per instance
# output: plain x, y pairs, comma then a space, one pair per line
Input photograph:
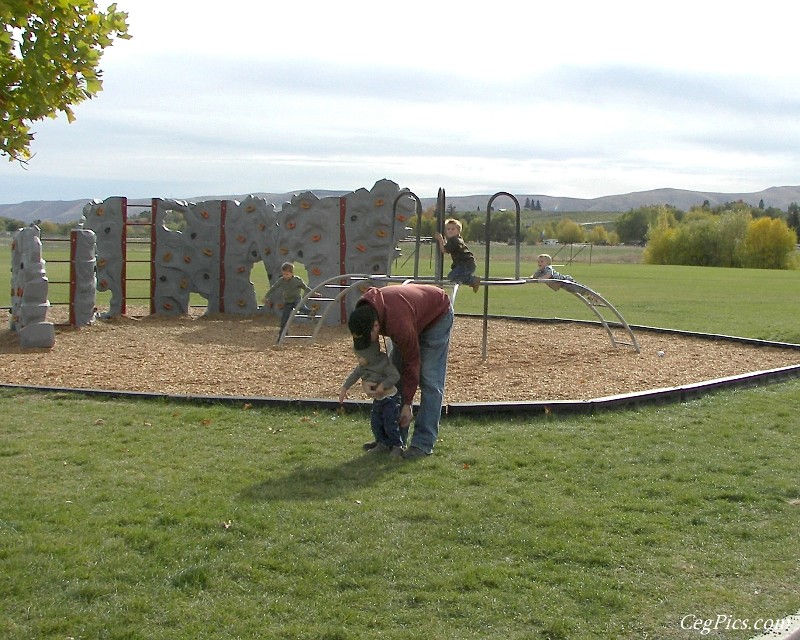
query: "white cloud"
572, 98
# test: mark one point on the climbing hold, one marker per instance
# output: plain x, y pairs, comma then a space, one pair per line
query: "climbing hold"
167, 257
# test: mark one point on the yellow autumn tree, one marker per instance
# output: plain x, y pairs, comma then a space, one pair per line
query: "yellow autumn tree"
769, 244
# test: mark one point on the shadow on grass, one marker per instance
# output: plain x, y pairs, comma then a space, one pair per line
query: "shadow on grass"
324, 482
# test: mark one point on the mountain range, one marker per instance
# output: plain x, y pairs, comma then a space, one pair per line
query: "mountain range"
62, 211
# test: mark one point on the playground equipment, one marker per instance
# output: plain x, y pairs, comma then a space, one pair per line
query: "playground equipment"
29, 286
223, 239
341, 288
346, 243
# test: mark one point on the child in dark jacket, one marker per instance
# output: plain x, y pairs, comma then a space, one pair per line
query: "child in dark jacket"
463, 268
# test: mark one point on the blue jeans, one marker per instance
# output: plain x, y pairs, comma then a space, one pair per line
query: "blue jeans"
434, 343
462, 273
383, 419
287, 311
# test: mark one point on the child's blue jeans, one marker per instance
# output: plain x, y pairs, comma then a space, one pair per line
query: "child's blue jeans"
384, 418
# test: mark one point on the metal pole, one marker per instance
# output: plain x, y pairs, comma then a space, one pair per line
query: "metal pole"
410, 194
485, 350
440, 204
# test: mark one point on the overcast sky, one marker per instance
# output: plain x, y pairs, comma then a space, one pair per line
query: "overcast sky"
566, 98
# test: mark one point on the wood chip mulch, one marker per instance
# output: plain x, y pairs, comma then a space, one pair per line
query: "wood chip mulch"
236, 356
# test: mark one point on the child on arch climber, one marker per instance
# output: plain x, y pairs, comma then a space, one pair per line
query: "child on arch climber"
463, 268
545, 271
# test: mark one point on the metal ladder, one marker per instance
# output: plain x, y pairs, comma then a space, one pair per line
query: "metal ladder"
298, 329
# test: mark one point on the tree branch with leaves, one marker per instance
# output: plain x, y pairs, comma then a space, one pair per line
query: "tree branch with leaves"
50, 53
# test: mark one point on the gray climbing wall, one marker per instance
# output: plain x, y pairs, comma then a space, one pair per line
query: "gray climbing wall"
85, 278
224, 239
29, 285
372, 229
356, 233
106, 218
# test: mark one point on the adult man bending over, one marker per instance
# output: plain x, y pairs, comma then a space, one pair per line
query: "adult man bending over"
418, 318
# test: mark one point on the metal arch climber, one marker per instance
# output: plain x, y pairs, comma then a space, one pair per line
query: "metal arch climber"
617, 329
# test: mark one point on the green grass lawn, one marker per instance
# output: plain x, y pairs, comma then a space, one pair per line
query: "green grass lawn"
133, 519
125, 519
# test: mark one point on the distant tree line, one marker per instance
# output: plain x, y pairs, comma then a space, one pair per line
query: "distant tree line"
48, 228
734, 234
